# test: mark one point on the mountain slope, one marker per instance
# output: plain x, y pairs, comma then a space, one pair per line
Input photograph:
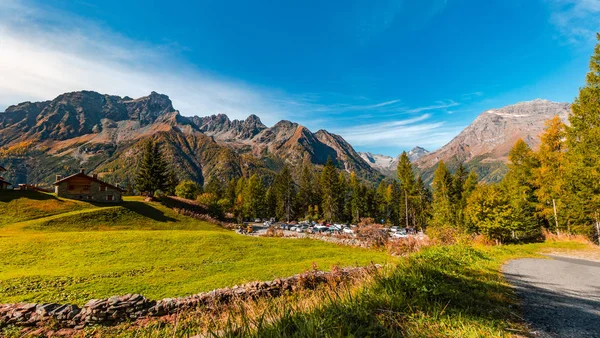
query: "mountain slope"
388, 165
484, 145
104, 133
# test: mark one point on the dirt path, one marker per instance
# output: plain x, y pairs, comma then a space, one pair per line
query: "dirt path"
560, 296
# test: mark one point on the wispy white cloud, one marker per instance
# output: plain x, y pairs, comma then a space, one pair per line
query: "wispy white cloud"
577, 21
44, 53
471, 96
420, 130
41, 57
437, 106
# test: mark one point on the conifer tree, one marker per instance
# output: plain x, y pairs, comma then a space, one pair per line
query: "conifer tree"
549, 177
394, 196
422, 204
286, 194
215, 186
172, 182
356, 198
442, 208
254, 198
329, 184
152, 170
488, 208
230, 191
306, 188
159, 168
457, 198
144, 180
343, 199
407, 185
271, 202
382, 208
583, 143
518, 186
469, 186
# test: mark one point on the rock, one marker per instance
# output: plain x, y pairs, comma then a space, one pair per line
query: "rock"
45, 309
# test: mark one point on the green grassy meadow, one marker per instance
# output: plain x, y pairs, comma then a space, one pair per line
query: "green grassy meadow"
57, 250
442, 291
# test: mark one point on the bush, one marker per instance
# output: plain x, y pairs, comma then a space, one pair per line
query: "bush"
272, 232
376, 235
444, 235
405, 246
210, 200
187, 189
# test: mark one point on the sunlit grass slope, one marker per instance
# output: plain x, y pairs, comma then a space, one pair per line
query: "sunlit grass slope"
17, 206
83, 251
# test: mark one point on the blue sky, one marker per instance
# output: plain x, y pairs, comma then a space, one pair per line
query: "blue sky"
386, 75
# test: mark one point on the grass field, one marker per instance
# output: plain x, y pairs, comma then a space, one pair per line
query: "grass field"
454, 291
56, 250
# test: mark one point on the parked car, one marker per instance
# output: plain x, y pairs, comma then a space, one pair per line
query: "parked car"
399, 234
301, 228
348, 230
257, 220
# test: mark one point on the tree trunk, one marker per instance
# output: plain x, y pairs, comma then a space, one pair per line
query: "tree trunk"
555, 217
406, 206
598, 228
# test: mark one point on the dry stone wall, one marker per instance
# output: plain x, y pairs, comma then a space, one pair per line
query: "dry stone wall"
131, 307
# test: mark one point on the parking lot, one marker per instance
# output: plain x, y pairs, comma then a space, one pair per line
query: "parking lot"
305, 229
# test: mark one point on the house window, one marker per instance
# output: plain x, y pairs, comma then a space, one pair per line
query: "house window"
109, 197
102, 188
71, 187
86, 188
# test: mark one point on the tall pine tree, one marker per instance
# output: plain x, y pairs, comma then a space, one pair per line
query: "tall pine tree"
152, 173
549, 177
329, 186
285, 191
583, 156
407, 185
442, 208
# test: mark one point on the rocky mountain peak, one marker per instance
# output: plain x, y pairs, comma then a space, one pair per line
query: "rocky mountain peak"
490, 137
416, 153
148, 108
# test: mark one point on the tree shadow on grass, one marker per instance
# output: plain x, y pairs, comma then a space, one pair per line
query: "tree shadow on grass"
146, 210
411, 301
9, 195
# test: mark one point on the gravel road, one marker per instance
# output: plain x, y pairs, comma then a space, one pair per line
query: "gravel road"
560, 296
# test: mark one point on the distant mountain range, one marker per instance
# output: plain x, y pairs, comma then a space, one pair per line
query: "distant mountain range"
484, 145
388, 165
103, 133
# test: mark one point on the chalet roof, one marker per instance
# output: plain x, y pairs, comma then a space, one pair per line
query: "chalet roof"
2, 168
3, 181
83, 175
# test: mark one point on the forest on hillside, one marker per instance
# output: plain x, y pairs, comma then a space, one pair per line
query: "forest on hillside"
555, 188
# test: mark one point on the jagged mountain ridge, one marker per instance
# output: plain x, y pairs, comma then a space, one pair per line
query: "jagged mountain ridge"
484, 145
104, 132
387, 165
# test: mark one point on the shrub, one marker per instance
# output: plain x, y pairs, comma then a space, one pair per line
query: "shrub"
366, 221
272, 232
210, 200
187, 189
444, 235
376, 235
405, 246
